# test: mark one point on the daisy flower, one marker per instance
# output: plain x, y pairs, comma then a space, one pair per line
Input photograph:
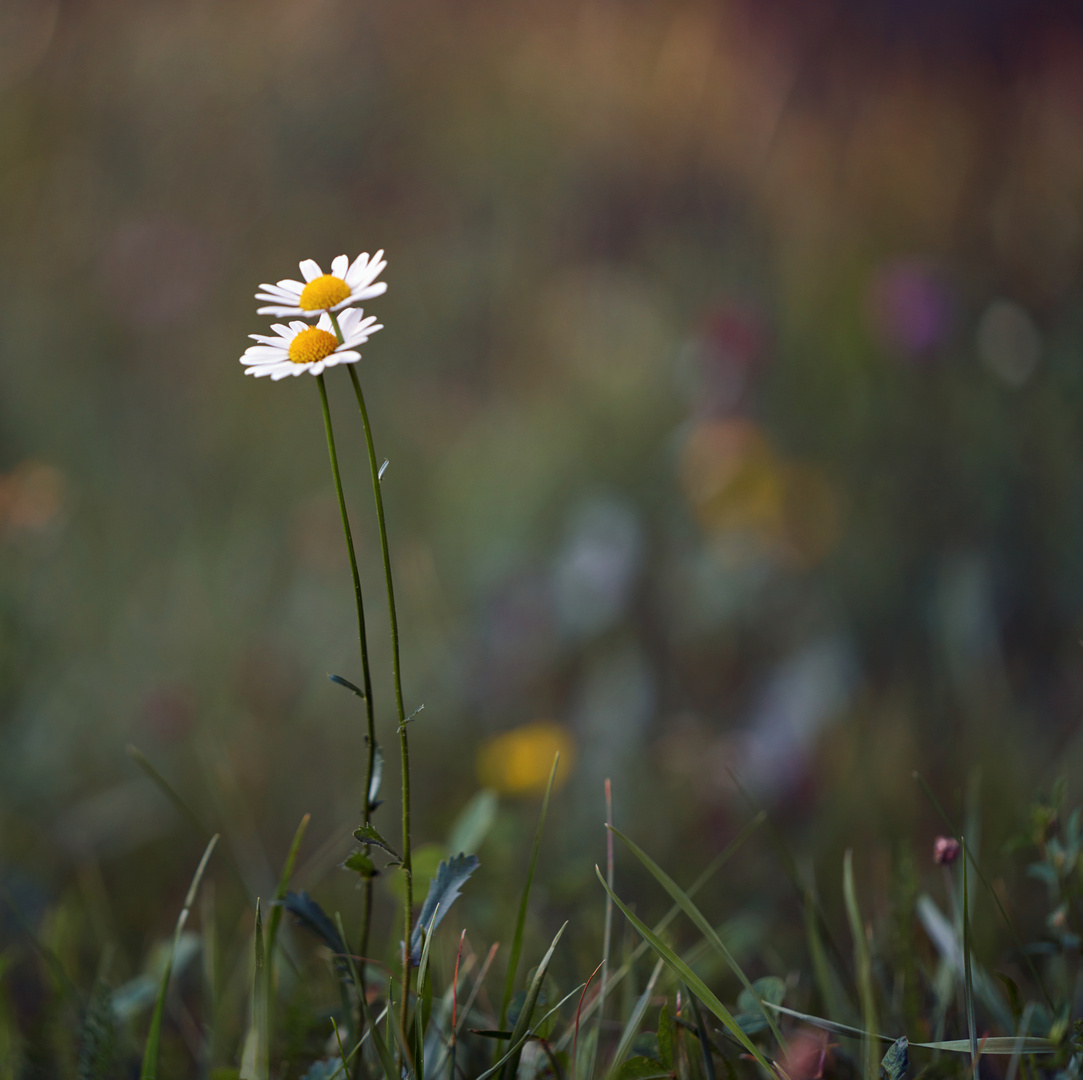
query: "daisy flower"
300, 347
348, 283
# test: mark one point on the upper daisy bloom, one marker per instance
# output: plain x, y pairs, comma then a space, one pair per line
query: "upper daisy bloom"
347, 284
300, 347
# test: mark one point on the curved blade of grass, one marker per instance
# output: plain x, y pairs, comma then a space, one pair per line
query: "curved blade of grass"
1035, 975
167, 790
997, 1044
419, 1017
704, 1038
382, 1052
705, 928
517, 1046
691, 980
800, 887
631, 1027
149, 1069
862, 964
256, 1063
968, 978
522, 1024
711, 869
280, 894
520, 923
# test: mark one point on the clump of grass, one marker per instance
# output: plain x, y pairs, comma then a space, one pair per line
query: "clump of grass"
700, 999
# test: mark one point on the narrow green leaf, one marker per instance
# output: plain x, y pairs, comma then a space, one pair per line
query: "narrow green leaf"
167, 789
709, 871
704, 1038
665, 1038
522, 1024
968, 976
1019, 944
280, 893
862, 963
382, 1052
255, 1064
997, 1044
520, 922
348, 685
517, 1045
422, 979
631, 1026
149, 1069
684, 902
691, 980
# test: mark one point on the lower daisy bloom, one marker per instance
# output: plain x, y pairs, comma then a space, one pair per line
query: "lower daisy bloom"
300, 347
347, 284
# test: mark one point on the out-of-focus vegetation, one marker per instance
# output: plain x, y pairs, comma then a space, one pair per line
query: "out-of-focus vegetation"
731, 389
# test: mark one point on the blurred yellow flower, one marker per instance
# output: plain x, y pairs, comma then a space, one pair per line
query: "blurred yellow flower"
518, 762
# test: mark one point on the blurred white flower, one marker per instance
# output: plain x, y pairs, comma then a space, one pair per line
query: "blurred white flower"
299, 347
347, 284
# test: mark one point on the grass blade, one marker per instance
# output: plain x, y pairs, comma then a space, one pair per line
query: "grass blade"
862, 964
711, 869
992, 892
691, 980
256, 1062
681, 898
517, 1046
167, 789
631, 1028
280, 894
382, 1052
522, 1024
968, 978
149, 1069
419, 1011
520, 923
997, 1044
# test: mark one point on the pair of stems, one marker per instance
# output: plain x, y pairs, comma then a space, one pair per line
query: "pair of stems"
404, 747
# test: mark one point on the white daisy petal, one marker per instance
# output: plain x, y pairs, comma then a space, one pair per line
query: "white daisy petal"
280, 312
291, 286
310, 269
339, 265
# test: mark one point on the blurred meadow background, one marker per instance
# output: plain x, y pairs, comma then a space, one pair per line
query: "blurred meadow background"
731, 385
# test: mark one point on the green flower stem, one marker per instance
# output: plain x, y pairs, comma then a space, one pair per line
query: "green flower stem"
404, 745
363, 642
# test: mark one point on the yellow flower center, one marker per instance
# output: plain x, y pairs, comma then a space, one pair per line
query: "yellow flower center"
323, 292
311, 345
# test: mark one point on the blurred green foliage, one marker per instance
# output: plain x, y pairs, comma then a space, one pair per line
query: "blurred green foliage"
731, 391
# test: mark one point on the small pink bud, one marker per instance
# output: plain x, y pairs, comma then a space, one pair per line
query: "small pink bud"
946, 850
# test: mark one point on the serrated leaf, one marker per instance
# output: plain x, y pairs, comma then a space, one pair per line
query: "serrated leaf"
896, 1061
641, 1068
314, 919
368, 834
444, 889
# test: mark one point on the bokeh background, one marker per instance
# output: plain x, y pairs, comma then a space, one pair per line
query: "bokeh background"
731, 385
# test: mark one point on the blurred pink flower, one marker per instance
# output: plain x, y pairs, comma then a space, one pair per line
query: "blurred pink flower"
946, 850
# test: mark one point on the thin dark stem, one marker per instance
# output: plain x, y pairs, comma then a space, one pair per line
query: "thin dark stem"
363, 642
404, 746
